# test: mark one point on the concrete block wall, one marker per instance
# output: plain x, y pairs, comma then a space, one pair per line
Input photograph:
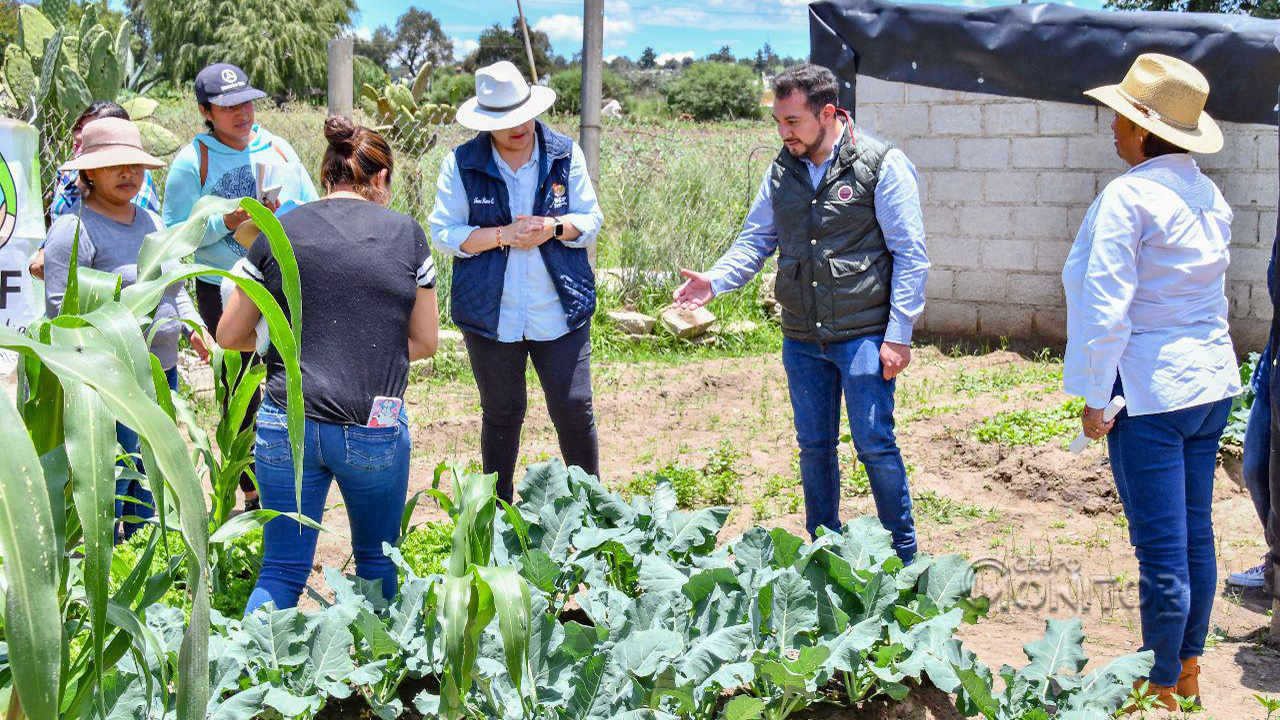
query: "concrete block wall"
1005, 185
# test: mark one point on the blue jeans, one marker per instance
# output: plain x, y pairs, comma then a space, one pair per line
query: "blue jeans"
372, 469
145, 506
1256, 463
1163, 465
817, 375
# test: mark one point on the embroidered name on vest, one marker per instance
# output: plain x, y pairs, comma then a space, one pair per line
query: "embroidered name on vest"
482, 201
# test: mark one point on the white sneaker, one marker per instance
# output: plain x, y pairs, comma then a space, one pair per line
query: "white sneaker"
1251, 578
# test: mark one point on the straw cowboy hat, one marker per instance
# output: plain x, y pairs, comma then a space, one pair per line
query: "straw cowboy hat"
1166, 97
503, 99
108, 142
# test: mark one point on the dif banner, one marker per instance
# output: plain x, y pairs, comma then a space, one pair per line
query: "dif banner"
21, 227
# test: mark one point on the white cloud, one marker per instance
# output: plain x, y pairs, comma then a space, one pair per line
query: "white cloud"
363, 33
560, 26
610, 58
462, 47
568, 28
664, 58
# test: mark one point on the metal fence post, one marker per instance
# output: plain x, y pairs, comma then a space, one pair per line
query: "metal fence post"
341, 77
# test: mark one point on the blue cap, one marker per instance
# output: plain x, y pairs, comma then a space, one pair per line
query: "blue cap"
225, 85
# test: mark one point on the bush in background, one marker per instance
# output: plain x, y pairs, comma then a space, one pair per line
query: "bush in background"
367, 72
715, 91
452, 88
568, 87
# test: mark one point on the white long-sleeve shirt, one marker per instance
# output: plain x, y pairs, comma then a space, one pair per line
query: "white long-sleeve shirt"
1145, 286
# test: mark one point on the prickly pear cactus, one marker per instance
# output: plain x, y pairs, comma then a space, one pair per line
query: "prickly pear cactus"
56, 70
400, 112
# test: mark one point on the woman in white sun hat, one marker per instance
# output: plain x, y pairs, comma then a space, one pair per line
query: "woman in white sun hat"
1147, 320
516, 210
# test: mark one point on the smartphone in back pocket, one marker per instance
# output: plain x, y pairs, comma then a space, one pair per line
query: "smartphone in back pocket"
385, 411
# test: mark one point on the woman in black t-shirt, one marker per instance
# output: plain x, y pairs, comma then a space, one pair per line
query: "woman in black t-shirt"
369, 299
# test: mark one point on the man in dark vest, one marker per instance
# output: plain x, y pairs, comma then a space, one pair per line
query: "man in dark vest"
842, 209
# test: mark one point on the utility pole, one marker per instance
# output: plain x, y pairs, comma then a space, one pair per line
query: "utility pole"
592, 71
528, 47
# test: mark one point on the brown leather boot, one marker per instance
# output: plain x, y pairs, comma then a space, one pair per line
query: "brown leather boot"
1189, 679
1162, 693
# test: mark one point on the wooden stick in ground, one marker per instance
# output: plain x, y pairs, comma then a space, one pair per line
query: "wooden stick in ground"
528, 48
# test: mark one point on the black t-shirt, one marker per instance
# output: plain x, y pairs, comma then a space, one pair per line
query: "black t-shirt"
360, 266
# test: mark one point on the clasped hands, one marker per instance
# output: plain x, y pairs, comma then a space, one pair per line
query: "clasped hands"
527, 232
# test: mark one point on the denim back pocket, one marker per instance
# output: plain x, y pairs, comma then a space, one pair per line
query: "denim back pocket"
370, 448
271, 445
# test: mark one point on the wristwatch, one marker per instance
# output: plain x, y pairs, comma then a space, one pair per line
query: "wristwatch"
557, 230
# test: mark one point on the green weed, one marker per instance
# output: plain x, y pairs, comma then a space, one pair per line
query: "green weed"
1031, 427
944, 510
1008, 377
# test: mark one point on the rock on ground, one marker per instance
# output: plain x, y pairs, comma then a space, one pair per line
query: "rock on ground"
632, 323
687, 323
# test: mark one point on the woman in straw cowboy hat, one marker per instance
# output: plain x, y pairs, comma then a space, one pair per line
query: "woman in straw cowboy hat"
1147, 320
516, 210
109, 228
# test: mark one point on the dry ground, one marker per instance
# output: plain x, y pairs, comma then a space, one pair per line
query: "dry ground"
1047, 525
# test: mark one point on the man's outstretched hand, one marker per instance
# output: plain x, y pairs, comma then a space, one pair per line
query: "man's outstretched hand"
695, 292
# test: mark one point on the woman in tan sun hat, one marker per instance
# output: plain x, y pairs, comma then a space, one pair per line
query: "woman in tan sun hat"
110, 229
1147, 320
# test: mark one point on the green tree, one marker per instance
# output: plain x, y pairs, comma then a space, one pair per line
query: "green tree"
378, 47
648, 59
715, 91
498, 43
766, 59
419, 40
281, 44
1256, 8
723, 55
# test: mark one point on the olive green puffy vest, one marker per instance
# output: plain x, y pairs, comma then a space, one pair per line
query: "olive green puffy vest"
834, 269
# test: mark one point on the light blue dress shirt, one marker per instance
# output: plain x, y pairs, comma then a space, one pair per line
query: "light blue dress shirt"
530, 308
897, 205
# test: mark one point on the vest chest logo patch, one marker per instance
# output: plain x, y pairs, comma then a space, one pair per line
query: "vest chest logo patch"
483, 201
558, 197
845, 193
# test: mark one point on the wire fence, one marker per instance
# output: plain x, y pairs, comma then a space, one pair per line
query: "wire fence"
674, 194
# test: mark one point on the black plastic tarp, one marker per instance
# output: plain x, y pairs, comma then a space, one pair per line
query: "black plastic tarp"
1045, 52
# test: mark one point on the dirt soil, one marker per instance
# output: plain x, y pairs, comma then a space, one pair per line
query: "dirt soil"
1046, 526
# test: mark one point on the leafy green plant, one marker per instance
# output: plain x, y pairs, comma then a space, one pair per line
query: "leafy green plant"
1004, 378
1242, 404
1031, 427
714, 483
426, 548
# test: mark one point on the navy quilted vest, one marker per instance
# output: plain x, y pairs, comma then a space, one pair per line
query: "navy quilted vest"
476, 291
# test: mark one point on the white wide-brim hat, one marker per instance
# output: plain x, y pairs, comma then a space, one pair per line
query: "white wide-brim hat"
1165, 96
503, 99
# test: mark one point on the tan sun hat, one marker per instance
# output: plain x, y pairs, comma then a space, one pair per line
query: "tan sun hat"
1165, 96
503, 99
108, 142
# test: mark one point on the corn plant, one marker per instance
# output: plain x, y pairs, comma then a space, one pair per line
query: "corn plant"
80, 373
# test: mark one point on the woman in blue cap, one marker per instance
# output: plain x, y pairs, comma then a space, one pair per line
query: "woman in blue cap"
236, 158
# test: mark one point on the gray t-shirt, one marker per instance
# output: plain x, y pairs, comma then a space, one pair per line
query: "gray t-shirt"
112, 246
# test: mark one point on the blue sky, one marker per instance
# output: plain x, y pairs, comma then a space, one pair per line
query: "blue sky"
674, 28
